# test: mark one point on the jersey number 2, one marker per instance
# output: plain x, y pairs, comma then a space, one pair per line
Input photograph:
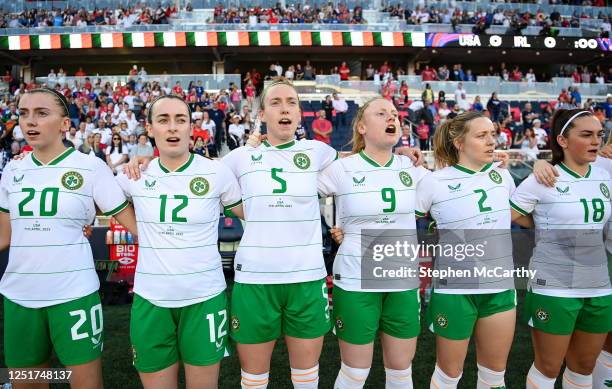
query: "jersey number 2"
483, 198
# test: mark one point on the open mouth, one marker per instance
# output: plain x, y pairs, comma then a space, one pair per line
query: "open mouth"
32, 133
284, 121
391, 129
172, 139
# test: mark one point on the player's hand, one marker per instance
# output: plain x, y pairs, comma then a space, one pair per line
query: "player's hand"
337, 234
413, 153
133, 168
254, 139
606, 151
503, 157
545, 173
20, 156
87, 231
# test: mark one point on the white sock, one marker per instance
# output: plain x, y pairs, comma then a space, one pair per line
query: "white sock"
439, 380
253, 381
537, 380
602, 374
398, 379
490, 379
573, 380
305, 379
351, 377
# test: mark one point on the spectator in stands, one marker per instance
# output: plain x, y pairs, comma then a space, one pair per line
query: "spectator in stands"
308, 71
328, 107
341, 108
443, 73
461, 98
116, 154
80, 72
423, 133
407, 139
143, 148
403, 91
369, 72
235, 133
73, 138
218, 117
199, 147
504, 127
530, 77
322, 128
528, 116
576, 96
272, 74
428, 94
501, 138
344, 71
290, 73
540, 134
494, 107
528, 143
457, 74
428, 74
477, 105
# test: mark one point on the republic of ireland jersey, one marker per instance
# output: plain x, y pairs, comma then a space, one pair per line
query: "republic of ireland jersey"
50, 261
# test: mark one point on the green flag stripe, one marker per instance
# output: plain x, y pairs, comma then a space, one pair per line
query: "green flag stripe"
316, 38
190, 38
346, 39
408, 39
34, 42
4, 44
284, 35
253, 38
377, 38
127, 39
65, 41
96, 41
222, 38
159, 39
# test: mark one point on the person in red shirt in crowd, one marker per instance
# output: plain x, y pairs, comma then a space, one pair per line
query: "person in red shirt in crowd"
345, 72
564, 97
177, 89
423, 133
322, 128
273, 19
198, 131
576, 76
384, 68
133, 71
80, 73
88, 85
516, 74
428, 74
504, 127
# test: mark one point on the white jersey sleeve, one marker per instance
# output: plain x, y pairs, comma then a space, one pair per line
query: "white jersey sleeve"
329, 179
230, 190
107, 193
526, 196
124, 183
425, 194
4, 179
327, 154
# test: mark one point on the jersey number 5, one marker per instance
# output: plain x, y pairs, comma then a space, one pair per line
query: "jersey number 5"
283, 184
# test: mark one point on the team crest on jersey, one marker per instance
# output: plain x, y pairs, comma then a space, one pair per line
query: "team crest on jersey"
405, 178
18, 180
455, 188
442, 321
495, 176
359, 182
604, 190
199, 186
150, 184
301, 160
339, 324
72, 180
235, 323
563, 190
542, 315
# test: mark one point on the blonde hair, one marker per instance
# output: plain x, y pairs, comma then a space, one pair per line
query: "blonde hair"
280, 81
357, 140
445, 152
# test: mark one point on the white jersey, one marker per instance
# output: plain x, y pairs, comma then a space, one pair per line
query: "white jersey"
50, 261
372, 197
569, 257
466, 206
282, 240
603, 163
178, 217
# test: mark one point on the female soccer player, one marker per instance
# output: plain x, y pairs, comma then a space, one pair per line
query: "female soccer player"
569, 305
50, 286
467, 195
374, 190
180, 305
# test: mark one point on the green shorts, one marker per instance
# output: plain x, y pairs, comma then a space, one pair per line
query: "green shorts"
195, 334
563, 315
261, 313
453, 316
358, 316
74, 329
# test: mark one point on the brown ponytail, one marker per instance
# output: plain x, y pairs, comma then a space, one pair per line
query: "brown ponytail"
445, 152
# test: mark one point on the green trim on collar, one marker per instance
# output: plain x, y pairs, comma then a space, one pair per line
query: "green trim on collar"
181, 168
281, 146
573, 173
470, 171
374, 163
55, 160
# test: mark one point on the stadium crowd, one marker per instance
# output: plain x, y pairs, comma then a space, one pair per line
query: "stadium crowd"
293, 14
80, 17
109, 121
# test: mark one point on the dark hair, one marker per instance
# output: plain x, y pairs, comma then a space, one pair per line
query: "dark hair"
120, 147
557, 122
150, 113
60, 99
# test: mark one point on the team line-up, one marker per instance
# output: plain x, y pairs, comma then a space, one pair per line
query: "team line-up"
181, 312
